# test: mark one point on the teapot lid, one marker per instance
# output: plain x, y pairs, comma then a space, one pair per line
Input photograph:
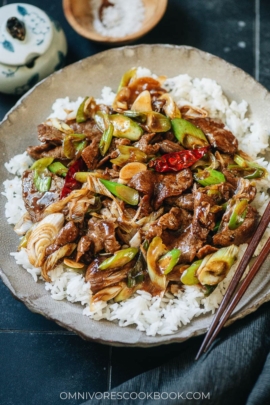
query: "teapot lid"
25, 33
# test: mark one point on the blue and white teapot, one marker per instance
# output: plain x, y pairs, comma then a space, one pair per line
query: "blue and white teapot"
32, 46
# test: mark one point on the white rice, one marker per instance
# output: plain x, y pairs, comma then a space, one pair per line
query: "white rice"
153, 315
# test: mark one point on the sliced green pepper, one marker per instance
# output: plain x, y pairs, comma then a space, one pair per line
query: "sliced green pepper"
125, 193
58, 168
238, 215
119, 259
71, 144
129, 154
189, 276
208, 177
169, 260
188, 134
106, 140
80, 116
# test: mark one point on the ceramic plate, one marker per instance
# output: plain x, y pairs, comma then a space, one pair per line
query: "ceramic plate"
18, 131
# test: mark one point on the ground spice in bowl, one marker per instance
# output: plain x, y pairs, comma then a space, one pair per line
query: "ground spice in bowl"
121, 19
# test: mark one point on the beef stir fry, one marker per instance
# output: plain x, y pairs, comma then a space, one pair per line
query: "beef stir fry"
138, 195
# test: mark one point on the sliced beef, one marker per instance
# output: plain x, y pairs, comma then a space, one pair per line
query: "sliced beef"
91, 154
167, 146
242, 234
49, 134
68, 234
176, 219
219, 192
185, 201
89, 128
35, 202
146, 207
144, 182
51, 249
100, 279
46, 150
147, 144
169, 185
230, 178
83, 247
206, 250
102, 234
219, 137
194, 237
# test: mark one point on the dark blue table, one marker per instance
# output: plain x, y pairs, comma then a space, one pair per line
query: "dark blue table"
40, 360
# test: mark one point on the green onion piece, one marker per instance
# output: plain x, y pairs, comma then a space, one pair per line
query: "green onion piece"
42, 163
155, 250
189, 275
169, 260
238, 215
188, 134
100, 119
81, 176
157, 122
70, 144
58, 168
80, 116
79, 146
208, 177
41, 181
129, 154
216, 266
216, 228
213, 192
119, 259
124, 127
125, 193
135, 275
106, 139
126, 78
257, 174
208, 289
140, 116
240, 161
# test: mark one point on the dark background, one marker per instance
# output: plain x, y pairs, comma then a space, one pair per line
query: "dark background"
39, 359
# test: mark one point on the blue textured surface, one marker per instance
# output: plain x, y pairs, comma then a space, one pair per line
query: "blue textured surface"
39, 359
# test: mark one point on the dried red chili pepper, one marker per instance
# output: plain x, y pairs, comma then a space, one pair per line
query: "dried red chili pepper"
70, 183
177, 161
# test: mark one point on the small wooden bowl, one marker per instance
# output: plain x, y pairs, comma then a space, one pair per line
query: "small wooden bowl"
79, 16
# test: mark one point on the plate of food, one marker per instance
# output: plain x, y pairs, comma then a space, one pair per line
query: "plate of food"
133, 182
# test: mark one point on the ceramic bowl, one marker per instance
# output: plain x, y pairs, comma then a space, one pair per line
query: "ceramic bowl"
79, 16
90, 75
24, 63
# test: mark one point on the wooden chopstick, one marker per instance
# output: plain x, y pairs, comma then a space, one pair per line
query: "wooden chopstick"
236, 279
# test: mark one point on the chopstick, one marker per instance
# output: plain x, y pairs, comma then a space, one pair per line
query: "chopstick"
225, 308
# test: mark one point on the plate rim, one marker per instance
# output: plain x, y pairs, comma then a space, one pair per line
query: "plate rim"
167, 339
